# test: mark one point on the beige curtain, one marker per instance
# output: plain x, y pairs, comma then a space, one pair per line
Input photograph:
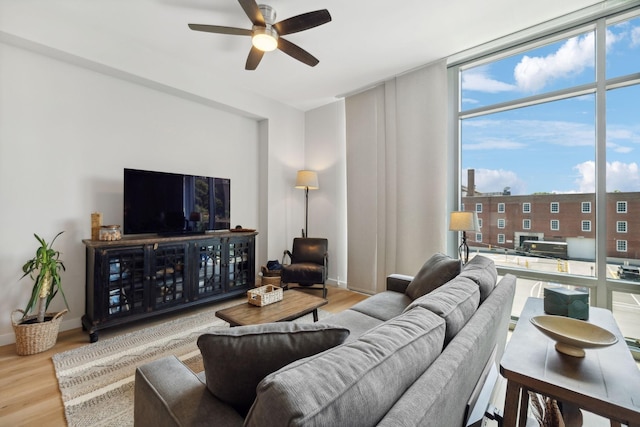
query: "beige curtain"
398, 166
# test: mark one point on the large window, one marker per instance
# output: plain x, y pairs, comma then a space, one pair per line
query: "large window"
547, 124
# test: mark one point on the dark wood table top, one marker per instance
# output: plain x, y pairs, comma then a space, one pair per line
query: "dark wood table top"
606, 381
294, 304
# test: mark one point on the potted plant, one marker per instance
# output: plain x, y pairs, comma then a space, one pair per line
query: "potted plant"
37, 333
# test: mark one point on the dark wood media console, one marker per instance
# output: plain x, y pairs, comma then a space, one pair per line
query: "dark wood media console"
139, 277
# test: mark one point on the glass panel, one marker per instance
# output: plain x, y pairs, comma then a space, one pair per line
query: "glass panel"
623, 48
623, 183
525, 159
560, 65
626, 309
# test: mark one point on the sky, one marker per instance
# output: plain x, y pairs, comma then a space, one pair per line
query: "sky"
551, 147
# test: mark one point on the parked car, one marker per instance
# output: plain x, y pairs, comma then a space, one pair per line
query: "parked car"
629, 272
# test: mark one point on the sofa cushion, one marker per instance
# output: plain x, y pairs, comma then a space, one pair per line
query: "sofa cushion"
455, 301
481, 270
437, 271
357, 323
237, 359
384, 305
341, 386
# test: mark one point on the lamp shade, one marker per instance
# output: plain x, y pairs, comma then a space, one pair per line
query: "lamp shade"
463, 221
307, 179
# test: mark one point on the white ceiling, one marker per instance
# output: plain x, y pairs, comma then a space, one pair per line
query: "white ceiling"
366, 42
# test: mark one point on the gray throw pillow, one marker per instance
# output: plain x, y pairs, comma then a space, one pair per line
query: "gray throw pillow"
237, 359
437, 271
481, 270
456, 302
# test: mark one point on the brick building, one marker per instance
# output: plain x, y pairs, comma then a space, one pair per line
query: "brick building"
507, 221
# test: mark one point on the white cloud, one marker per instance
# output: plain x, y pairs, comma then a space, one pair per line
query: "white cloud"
635, 37
496, 180
494, 144
620, 176
470, 101
478, 79
534, 73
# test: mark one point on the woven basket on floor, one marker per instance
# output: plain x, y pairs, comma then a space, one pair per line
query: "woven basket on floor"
36, 337
270, 277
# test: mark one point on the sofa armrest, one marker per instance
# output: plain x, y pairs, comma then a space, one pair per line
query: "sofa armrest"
167, 393
398, 282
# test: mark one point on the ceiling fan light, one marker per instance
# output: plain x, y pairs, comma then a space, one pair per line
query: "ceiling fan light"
264, 38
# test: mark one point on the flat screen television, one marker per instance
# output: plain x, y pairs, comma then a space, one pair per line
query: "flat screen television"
170, 203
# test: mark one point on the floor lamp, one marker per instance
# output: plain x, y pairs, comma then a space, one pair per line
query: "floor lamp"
307, 180
463, 221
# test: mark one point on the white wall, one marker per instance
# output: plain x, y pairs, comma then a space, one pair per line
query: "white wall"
68, 129
325, 150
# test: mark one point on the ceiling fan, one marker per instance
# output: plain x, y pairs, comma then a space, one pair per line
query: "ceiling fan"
267, 35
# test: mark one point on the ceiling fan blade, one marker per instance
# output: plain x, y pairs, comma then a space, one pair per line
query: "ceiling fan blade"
297, 52
302, 22
254, 58
252, 10
220, 29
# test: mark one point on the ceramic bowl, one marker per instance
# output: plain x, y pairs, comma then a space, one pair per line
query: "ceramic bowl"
572, 336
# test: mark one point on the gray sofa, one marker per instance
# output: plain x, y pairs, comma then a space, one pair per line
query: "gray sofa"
415, 355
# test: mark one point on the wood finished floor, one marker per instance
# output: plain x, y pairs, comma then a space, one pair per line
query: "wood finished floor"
29, 394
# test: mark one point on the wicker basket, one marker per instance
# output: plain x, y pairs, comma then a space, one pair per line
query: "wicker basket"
35, 338
270, 277
264, 295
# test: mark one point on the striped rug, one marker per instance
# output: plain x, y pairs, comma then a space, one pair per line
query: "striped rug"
97, 380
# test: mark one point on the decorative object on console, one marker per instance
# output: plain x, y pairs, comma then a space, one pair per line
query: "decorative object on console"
561, 301
572, 336
307, 180
110, 233
463, 221
38, 333
96, 223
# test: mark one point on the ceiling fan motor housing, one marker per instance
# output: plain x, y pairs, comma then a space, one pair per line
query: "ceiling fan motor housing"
268, 13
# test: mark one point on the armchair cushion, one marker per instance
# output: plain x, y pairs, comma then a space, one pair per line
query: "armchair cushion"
437, 271
237, 359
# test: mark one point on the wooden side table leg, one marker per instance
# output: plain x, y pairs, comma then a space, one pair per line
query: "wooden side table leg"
511, 401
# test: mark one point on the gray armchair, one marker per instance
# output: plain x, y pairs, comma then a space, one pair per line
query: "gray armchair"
308, 265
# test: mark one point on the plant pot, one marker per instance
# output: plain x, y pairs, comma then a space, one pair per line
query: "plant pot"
34, 337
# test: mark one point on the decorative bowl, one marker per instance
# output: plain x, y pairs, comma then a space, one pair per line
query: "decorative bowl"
572, 336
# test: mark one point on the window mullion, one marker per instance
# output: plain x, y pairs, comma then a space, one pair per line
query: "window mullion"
602, 297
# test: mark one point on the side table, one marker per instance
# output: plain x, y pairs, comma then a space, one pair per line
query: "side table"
606, 381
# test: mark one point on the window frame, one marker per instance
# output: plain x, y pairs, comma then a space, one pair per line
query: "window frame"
555, 205
619, 204
621, 245
588, 207
502, 223
501, 207
600, 286
526, 224
554, 225
586, 222
619, 229
526, 207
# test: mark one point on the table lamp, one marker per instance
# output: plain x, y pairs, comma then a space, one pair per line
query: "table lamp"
463, 221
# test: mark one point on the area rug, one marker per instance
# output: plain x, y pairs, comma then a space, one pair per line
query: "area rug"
97, 380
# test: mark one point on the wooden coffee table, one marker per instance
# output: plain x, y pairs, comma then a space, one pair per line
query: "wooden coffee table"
606, 381
294, 304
